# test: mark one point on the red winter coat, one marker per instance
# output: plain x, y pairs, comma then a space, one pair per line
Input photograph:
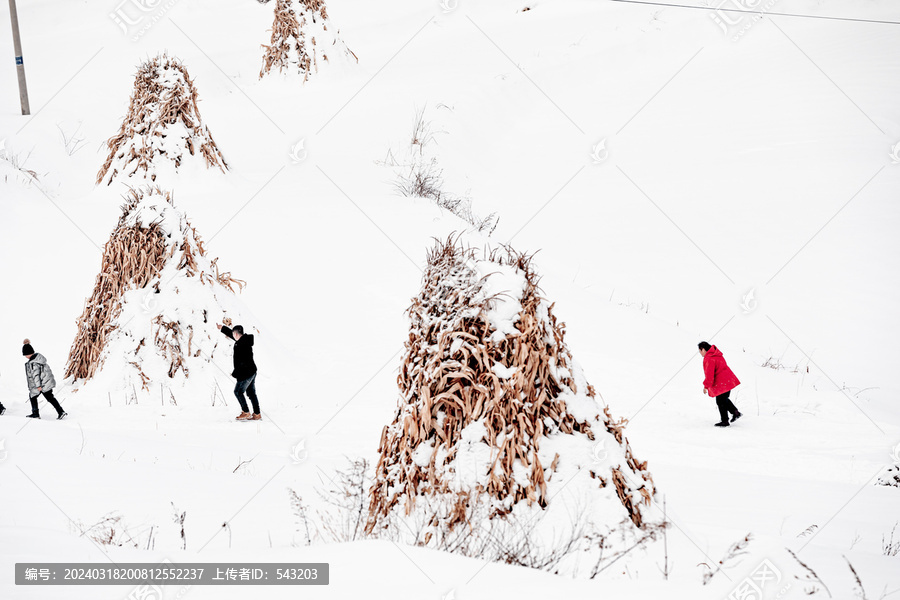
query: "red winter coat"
719, 378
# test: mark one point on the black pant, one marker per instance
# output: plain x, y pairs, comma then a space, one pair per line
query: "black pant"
725, 406
50, 399
247, 385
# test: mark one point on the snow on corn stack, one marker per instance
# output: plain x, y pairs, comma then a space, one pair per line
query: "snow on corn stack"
303, 35
163, 120
495, 414
149, 328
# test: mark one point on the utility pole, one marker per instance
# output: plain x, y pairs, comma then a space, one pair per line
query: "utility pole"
20, 65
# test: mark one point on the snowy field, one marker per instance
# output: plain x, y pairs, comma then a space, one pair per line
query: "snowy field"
682, 174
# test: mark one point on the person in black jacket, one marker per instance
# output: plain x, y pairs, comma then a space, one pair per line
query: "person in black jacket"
244, 370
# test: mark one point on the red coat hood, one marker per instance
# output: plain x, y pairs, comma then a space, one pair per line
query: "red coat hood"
713, 351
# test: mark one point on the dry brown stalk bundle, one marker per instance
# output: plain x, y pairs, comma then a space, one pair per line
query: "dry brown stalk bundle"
301, 36
468, 377
131, 258
163, 119
151, 237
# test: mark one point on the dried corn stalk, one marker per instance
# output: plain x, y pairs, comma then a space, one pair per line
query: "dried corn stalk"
301, 36
460, 374
163, 120
145, 241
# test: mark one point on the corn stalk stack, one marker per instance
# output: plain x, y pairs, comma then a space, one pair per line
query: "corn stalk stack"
303, 38
150, 320
493, 410
163, 120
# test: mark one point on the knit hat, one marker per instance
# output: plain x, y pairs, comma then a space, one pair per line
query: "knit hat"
27, 349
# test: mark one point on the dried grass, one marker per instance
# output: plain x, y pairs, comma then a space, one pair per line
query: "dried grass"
422, 177
133, 257
164, 96
291, 42
111, 530
888, 546
735, 550
447, 382
811, 576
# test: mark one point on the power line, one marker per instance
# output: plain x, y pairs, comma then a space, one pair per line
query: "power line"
757, 12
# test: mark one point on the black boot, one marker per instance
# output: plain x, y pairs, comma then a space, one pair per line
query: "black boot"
2, 409
722, 424
736, 416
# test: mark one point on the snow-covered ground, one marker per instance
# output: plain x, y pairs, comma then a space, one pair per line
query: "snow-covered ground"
679, 185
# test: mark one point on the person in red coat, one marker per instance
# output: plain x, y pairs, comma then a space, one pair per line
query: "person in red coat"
718, 382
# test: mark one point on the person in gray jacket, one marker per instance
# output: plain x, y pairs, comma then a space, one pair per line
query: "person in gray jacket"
40, 381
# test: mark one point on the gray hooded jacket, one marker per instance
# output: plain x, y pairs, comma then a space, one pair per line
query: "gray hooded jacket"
39, 375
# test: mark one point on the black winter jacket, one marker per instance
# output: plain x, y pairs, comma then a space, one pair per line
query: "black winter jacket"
244, 366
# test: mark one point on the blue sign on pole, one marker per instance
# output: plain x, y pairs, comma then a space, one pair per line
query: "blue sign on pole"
19, 60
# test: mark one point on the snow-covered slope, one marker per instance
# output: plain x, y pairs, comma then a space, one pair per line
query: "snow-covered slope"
747, 198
